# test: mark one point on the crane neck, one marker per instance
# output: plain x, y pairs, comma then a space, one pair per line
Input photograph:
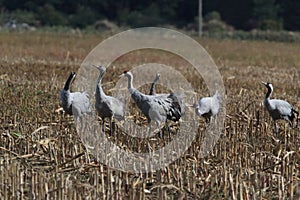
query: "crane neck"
99, 79
66, 101
268, 94
152, 92
99, 87
152, 89
68, 83
130, 80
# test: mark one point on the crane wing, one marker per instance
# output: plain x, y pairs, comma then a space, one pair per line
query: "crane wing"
80, 103
116, 106
283, 107
170, 106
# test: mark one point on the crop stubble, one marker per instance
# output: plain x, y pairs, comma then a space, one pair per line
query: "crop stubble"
41, 154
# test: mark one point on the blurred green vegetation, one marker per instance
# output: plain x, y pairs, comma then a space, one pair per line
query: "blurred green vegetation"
240, 15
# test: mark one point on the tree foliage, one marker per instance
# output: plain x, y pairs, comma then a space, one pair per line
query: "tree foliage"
244, 15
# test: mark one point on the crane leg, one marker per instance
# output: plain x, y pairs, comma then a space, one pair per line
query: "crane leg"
167, 126
276, 129
160, 131
297, 115
290, 123
168, 129
103, 126
76, 122
81, 122
111, 127
150, 127
150, 130
206, 120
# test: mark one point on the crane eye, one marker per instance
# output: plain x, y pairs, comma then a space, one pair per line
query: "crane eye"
125, 71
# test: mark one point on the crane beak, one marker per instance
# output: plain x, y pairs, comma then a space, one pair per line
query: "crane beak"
264, 83
97, 67
121, 75
73, 74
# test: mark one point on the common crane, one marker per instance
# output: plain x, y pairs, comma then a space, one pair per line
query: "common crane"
158, 108
208, 107
107, 106
74, 103
177, 97
279, 109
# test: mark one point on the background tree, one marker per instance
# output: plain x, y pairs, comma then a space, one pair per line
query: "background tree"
245, 15
291, 14
266, 14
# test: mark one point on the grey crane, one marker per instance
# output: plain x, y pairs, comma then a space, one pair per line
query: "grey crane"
107, 106
74, 103
152, 89
279, 109
157, 108
208, 107
177, 97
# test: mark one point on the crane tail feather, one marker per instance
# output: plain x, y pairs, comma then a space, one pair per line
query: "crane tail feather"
292, 116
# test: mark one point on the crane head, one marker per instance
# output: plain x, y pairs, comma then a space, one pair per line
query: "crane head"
268, 85
157, 77
72, 75
100, 68
126, 72
70, 80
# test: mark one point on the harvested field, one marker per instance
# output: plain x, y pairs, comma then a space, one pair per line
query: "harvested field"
42, 156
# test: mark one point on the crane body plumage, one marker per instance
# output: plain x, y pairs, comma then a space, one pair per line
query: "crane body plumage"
176, 97
208, 107
157, 108
74, 103
107, 106
279, 109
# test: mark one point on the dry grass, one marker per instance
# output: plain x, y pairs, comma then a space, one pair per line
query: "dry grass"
41, 155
